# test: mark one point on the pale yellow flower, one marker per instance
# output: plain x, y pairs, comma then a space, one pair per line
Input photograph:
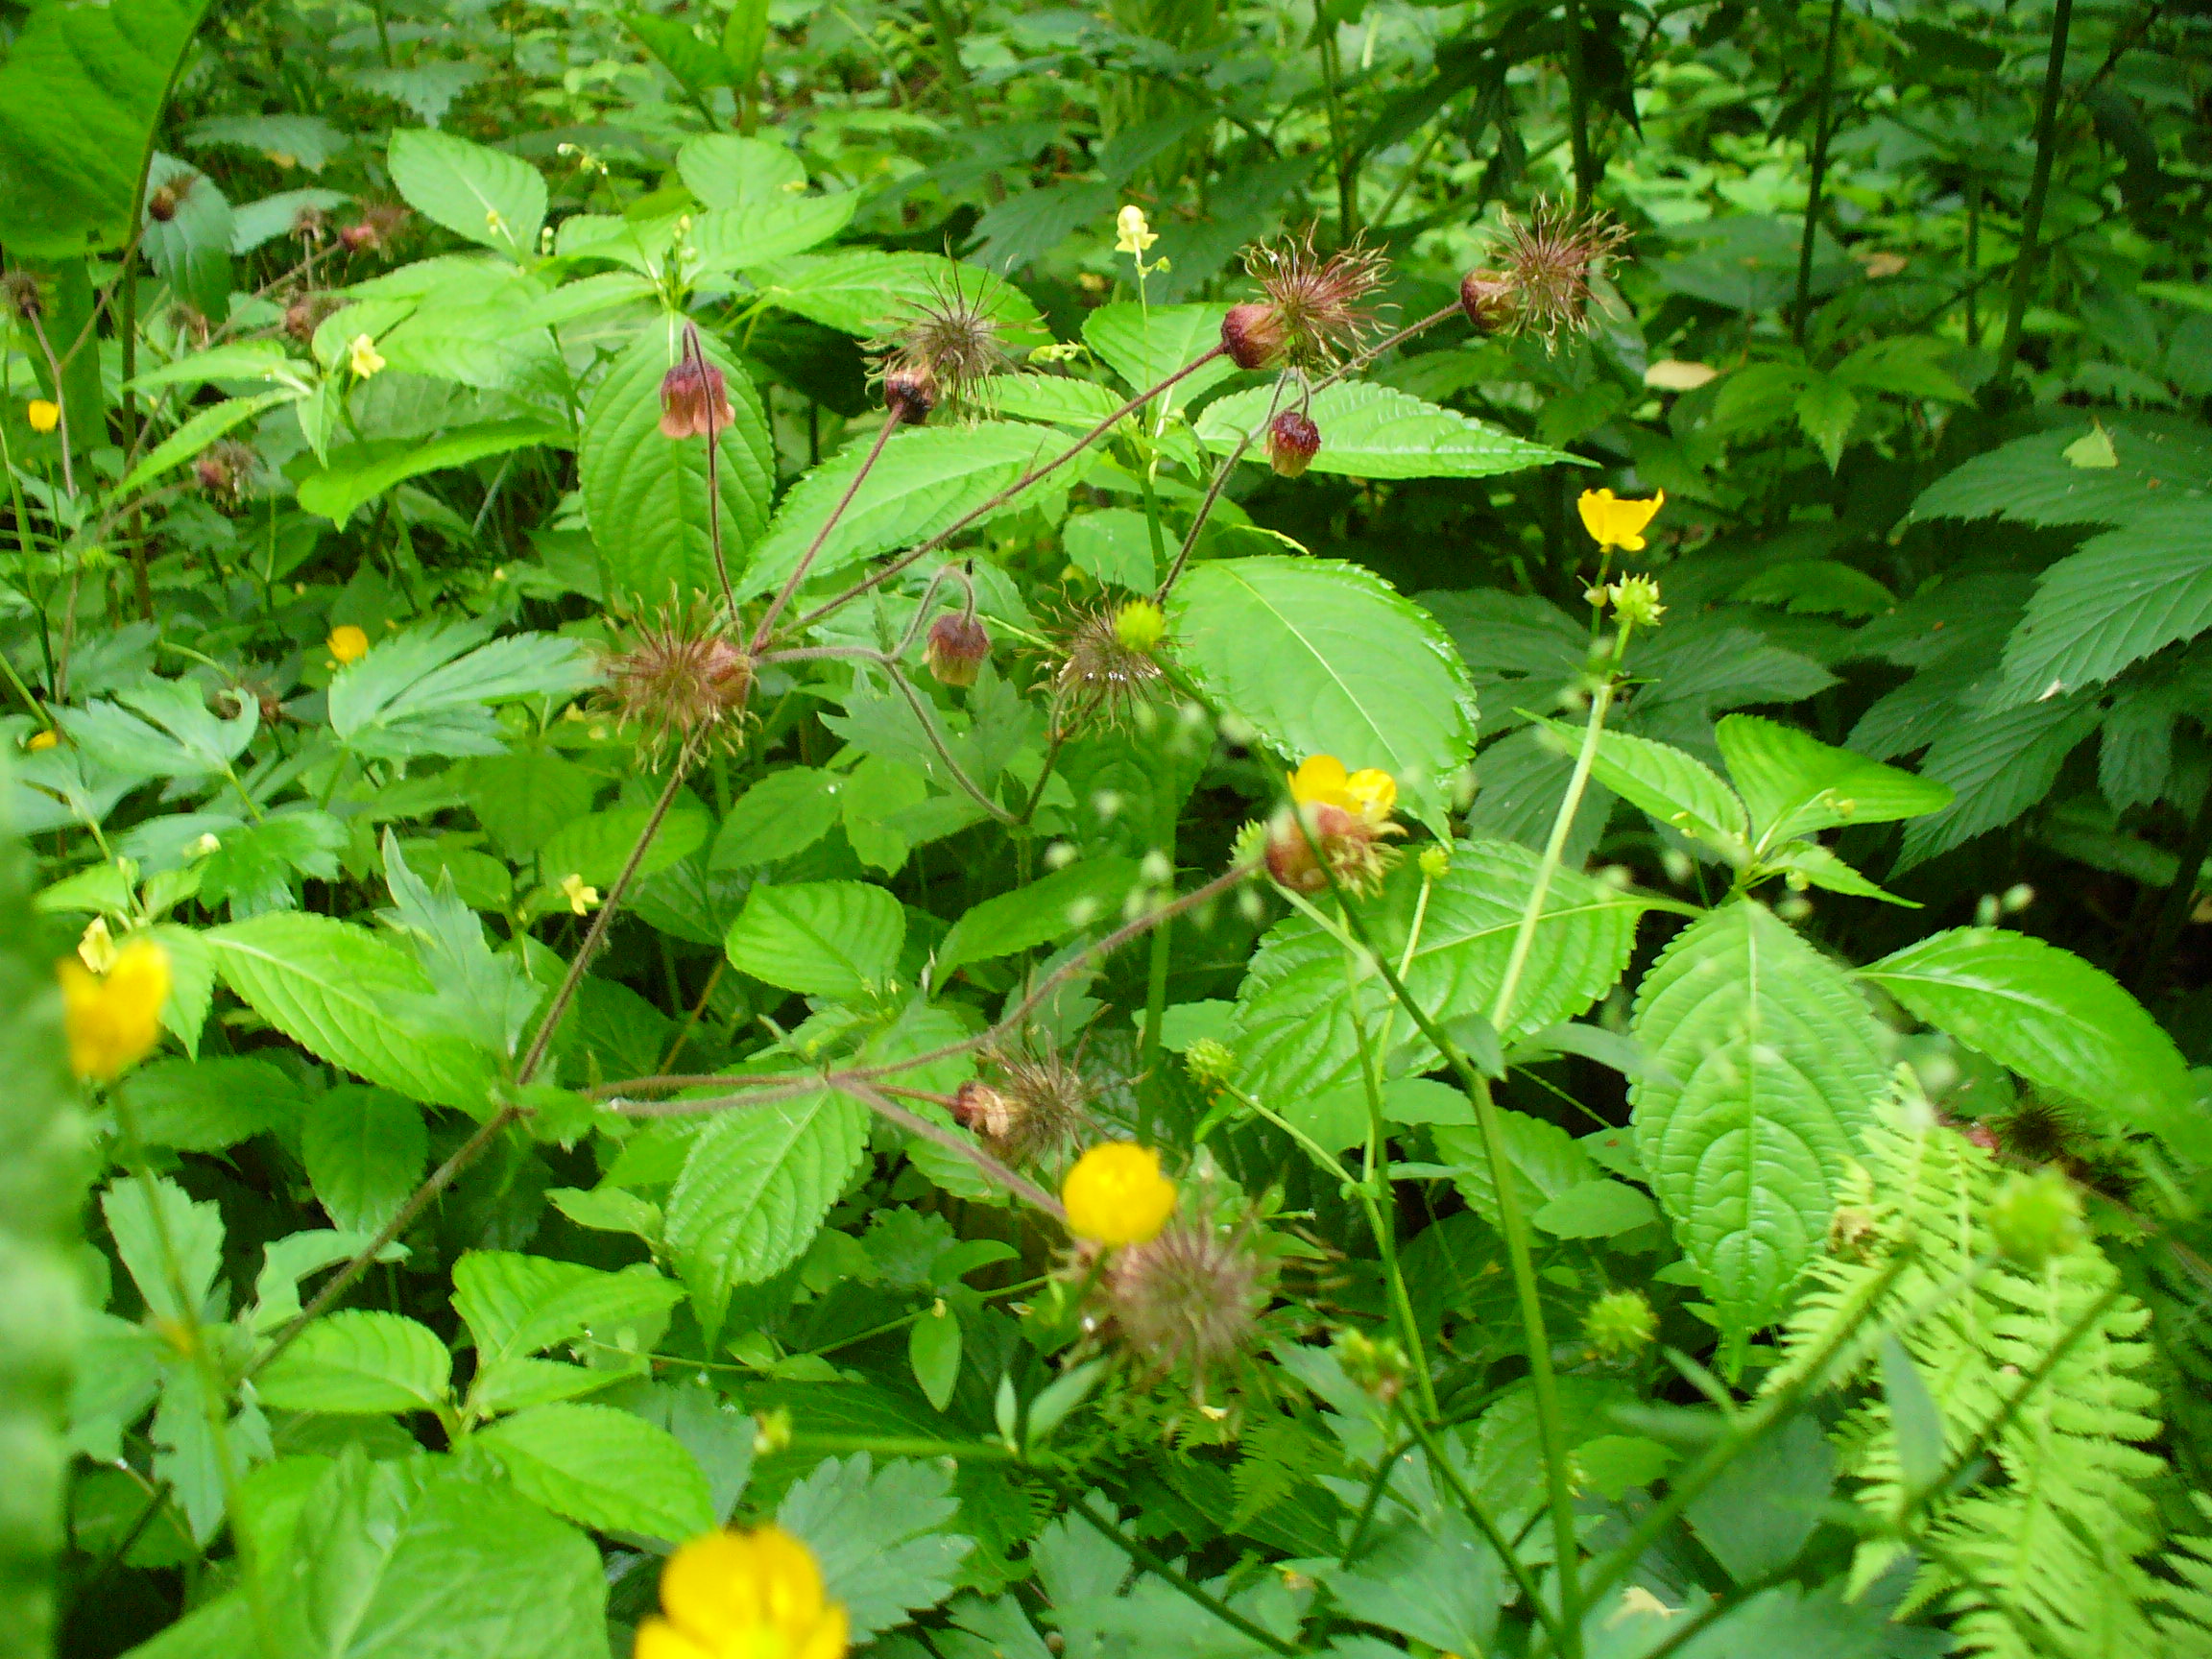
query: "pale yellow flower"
363, 357
348, 643
581, 899
114, 1022
1134, 235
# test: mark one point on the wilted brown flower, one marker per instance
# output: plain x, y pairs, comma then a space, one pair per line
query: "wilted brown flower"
1293, 442
1108, 668
956, 648
1542, 284
681, 684
910, 392
163, 200
1313, 314
309, 311
309, 224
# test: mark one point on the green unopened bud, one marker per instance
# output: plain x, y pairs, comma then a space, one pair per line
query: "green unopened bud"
1251, 848
1435, 862
2034, 1217
1139, 626
1619, 1323
1210, 1062
1375, 1367
1636, 601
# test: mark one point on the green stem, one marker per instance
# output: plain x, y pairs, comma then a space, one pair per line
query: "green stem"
2024, 262
1347, 164
1441, 1466
1801, 313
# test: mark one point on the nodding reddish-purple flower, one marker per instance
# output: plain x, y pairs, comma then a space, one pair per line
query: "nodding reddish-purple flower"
956, 648
694, 400
1293, 442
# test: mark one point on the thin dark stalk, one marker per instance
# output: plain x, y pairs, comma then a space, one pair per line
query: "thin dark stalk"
1578, 110
891, 420
2180, 894
1159, 1568
693, 349
914, 1123
878, 577
2024, 263
1822, 126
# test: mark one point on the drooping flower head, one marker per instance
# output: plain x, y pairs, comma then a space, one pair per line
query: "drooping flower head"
1029, 1106
694, 400
1131, 232
1336, 825
946, 345
1541, 282
1116, 1194
1293, 442
956, 648
1314, 312
115, 1020
1616, 524
754, 1594
680, 683
363, 357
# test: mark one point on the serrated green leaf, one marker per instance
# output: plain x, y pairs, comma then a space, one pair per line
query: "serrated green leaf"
1766, 1067
1065, 902
1998, 764
1546, 1161
879, 1536
724, 170
1675, 787
360, 472
933, 1354
206, 1105
646, 495
761, 232
2031, 481
927, 478
1323, 659
426, 691
174, 1260
484, 195
835, 939
359, 1361
1795, 784
1146, 347
1825, 409
604, 1468
335, 991
517, 1305
753, 1191
1058, 398
785, 812
205, 427
365, 1150
698, 67
2126, 595
1375, 431
2058, 1022
865, 291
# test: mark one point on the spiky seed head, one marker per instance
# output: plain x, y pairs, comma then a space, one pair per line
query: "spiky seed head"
1210, 1060
1029, 1107
307, 312
954, 338
1376, 1365
22, 292
694, 400
910, 392
1318, 304
380, 222
956, 648
1619, 1324
1188, 1298
1108, 670
1546, 261
224, 470
681, 684
1293, 442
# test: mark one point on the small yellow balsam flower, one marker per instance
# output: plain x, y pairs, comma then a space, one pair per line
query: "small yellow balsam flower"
96, 946
581, 899
1133, 233
744, 1595
1369, 794
363, 357
348, 643
44, 416
1613, 523
45, 739
1117, 1196
113, 1023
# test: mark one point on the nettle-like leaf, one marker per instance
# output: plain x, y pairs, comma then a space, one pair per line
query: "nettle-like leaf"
357, 474
517, 1305
1145, 346
1374, 431
604, 1468
365, 1149
359, 1361
430, 690
724, 170
1323, 658
867, 292
2126, 595
484, 195
2040, 479
645, 495
879, 1536
835, 939
1763, 1067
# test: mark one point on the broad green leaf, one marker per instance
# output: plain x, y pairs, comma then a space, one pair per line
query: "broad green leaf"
189, 249
358, 1361
205, 427
760, 232
1826, 409
726, 171
84, 88
2031, 481
360, 472
1058, 398
341, 993
1114, 545
838, 939
486, 194
518, 1305
597, 844
1796, 785
365, 1150
698, 67
184, 738
430, 690
612, 1472
1675, 787
2058, 1022
524, 797
1598, 1209
239, 360
1062, 903
933, 1353
1293, 1031
1759, 1513
879, 1536
1374, 431
1765, 1067
174, 1260
2000, 764
1146, 347
1433, 1579
480, 993
753, 1191
785, 812
1546, 1161
866, 291
926, 479
1822, 869
206, 1105
646, 495
2126, 595
1323, 659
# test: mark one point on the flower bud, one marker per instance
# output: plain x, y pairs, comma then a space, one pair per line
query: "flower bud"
910, 391
1376, 1367
1619, 1324
1487, 298
956, 648
1210, 1060
307, 312
357, 238
1293, 442
694, 400
2034, 1217
1435, 862
1253, 334
1140, 626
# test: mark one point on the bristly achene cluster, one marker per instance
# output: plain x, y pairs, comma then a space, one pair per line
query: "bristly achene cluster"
680, 683
944, 348
1314, 315
1541, 282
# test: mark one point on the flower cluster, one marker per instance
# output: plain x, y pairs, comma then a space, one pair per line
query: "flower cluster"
754, 1594
115, 1020
1336, 825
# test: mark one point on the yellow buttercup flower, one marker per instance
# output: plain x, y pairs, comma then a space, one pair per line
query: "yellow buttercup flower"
348, 643
1613, 523
44, 416
113, 1023
1133, 234
743, 1596
1369, 794
363, 357
581, 899
1117, 1196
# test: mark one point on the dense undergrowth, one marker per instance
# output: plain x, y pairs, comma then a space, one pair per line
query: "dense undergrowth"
960, 829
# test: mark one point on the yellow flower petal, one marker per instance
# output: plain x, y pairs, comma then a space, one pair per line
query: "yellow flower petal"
363, 357
1133, 236
658, 1639
44, 416
1613, 523
45, 739
1373, 793
1319, 782
1117, 1196
114, 1022
348, 643
744, 1595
